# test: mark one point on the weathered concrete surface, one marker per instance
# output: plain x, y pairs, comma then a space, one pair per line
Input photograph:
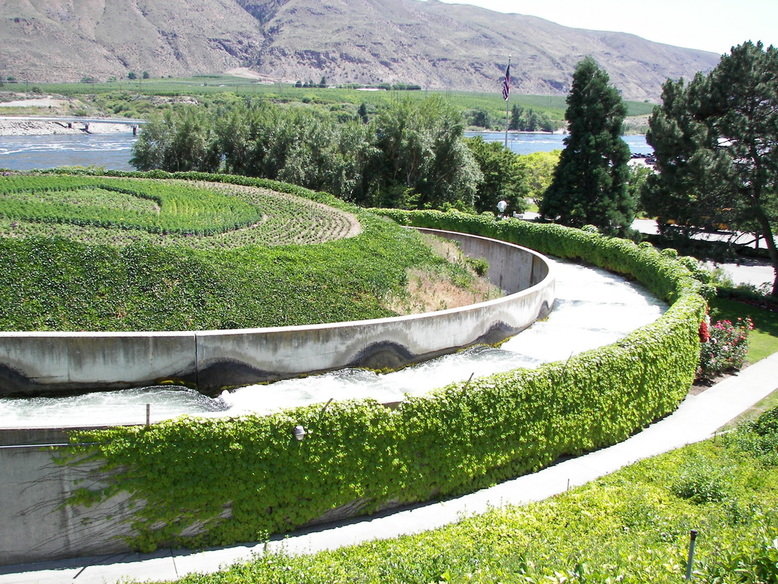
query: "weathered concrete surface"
34, 523
38, 362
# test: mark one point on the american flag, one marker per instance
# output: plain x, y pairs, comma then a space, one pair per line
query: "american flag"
506, 84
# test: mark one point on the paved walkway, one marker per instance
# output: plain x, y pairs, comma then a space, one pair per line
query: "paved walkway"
698, 418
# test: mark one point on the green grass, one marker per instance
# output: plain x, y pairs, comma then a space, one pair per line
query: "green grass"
763, 340
114, 276
111, 211
170, 207
632, 527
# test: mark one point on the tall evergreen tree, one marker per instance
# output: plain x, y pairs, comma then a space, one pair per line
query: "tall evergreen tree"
688, 187
590, 182
716, 142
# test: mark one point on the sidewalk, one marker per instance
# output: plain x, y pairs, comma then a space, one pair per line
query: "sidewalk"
698, 418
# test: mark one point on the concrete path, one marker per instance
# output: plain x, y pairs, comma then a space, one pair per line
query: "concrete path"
698, 418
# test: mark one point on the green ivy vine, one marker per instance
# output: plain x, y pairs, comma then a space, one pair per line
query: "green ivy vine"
200, 482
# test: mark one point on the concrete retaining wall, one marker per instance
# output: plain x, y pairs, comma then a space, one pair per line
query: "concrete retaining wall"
34, 523
47, 363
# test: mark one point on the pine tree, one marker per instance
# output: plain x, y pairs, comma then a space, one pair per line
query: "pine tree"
590, 183
688, 188
503, 179
362, 113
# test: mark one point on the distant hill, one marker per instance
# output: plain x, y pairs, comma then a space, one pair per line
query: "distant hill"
435, 45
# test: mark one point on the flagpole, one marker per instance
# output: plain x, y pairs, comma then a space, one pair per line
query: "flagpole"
507, 97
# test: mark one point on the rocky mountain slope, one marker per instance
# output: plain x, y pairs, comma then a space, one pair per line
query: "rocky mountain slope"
435, 45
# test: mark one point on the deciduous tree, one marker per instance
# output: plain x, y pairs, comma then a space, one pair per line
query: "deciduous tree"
502, 176
178, 142
537, 172
423, 156
412, 154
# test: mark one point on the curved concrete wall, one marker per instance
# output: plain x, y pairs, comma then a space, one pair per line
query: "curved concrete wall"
35, 488
38, 362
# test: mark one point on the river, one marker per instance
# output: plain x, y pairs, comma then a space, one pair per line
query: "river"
527, 143
113, 151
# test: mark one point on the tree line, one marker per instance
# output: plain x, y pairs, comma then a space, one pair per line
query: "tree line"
716, 147
411, 154
520, 119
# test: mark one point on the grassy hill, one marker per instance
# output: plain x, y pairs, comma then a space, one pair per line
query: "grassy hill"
116, 253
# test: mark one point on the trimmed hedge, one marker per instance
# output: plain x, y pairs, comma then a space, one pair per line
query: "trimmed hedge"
198, 482
666, 279
628, 527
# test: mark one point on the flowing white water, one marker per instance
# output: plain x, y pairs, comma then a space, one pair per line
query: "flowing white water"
593, 308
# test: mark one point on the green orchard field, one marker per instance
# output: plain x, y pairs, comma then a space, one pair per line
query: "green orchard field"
143, 97
129, 252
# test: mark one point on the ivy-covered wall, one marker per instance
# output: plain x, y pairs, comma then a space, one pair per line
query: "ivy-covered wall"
198, 482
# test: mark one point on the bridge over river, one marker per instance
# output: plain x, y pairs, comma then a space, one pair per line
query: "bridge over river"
83, 122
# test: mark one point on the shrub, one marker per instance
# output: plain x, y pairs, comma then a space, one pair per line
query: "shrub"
480, 266
767, 423
760, 438
700, 482
726, 348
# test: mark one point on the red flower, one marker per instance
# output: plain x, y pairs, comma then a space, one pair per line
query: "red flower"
704, 332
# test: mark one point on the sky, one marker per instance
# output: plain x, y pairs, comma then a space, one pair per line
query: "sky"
710, 25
